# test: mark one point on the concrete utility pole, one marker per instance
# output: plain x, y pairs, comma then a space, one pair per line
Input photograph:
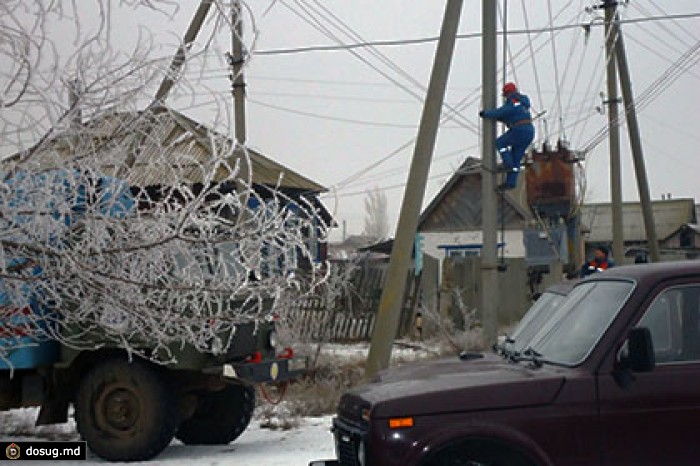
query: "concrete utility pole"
387, 321
179, 58
613, 100
489, 205
636, 145
236, 61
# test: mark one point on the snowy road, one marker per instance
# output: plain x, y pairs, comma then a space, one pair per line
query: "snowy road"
256, 447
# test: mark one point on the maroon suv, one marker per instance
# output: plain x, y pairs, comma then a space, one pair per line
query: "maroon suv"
612, 378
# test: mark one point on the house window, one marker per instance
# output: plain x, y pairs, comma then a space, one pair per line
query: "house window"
464, 253
686, 237
464, 250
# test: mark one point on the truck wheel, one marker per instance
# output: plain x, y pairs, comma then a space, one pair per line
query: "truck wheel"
220, 417
124, 411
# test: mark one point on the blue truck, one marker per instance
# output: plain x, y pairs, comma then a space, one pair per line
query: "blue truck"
126, 407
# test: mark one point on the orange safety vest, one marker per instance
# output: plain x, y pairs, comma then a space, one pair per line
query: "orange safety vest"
596, 265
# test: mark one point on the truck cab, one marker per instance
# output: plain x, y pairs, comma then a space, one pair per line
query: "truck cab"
610, 379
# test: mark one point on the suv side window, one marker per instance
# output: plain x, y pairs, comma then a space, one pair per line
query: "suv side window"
674, 321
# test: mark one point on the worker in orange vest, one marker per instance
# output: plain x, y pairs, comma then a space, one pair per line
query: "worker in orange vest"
600, 262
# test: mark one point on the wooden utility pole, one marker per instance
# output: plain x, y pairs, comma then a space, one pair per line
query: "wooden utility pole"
489, 205
613, 101
237, 60
391, 303
636, 145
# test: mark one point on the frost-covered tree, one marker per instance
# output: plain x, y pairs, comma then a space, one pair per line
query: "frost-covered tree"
122, 221
376, 215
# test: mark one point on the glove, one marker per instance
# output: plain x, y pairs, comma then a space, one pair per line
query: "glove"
481, 113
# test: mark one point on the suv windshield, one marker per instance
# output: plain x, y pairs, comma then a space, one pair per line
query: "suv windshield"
540, 313
585, 315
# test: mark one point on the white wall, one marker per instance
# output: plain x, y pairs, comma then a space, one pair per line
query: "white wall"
515, 245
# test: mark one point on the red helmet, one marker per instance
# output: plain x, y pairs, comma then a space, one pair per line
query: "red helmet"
509, 88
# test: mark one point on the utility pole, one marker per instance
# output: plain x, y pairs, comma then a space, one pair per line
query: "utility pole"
236, 61
613, 101
387, 321
636, 145
489, 205
76, 92
179, 58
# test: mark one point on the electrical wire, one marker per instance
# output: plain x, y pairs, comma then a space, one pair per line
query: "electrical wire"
346, 98
384, 188
597, 77
579, 69
352, 34
557, 81
668, 30
656, 53
687, 60
473, 35
400, 170
316, 24
339, 119
534, 68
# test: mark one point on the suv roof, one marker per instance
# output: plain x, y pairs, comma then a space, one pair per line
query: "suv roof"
642, 273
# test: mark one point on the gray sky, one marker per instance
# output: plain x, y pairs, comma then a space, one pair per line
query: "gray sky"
330, 114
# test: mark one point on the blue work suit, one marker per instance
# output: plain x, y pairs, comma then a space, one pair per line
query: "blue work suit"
512, 144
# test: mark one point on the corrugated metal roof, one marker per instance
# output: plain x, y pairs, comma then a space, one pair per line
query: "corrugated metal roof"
164, 147
669, 216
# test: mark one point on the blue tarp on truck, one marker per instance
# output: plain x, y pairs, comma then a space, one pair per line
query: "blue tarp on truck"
38, 209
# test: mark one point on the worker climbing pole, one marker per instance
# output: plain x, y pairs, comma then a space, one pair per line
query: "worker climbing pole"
511, 145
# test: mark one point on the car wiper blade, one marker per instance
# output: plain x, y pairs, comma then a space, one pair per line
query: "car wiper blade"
530, 351
529, 354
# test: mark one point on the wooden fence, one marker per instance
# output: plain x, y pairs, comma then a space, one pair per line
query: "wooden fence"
352, 314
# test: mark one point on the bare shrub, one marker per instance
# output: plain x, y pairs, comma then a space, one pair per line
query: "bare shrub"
460, 331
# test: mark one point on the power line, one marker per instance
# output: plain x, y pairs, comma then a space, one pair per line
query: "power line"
579, 69
316, 24
534, 64
340, 119
558, 83
656, 53
661, 84
400, 170
668, 30
383, 188
456, 115
474, 35
335, 97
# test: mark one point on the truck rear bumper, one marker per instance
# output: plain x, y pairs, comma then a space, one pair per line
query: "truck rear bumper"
272, 371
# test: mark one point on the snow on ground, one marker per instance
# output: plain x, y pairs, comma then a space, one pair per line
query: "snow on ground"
256, 447
311, 440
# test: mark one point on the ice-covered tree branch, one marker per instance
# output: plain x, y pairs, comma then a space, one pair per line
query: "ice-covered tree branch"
128, 224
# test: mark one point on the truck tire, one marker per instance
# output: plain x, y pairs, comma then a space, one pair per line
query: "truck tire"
125, 411
220, 417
